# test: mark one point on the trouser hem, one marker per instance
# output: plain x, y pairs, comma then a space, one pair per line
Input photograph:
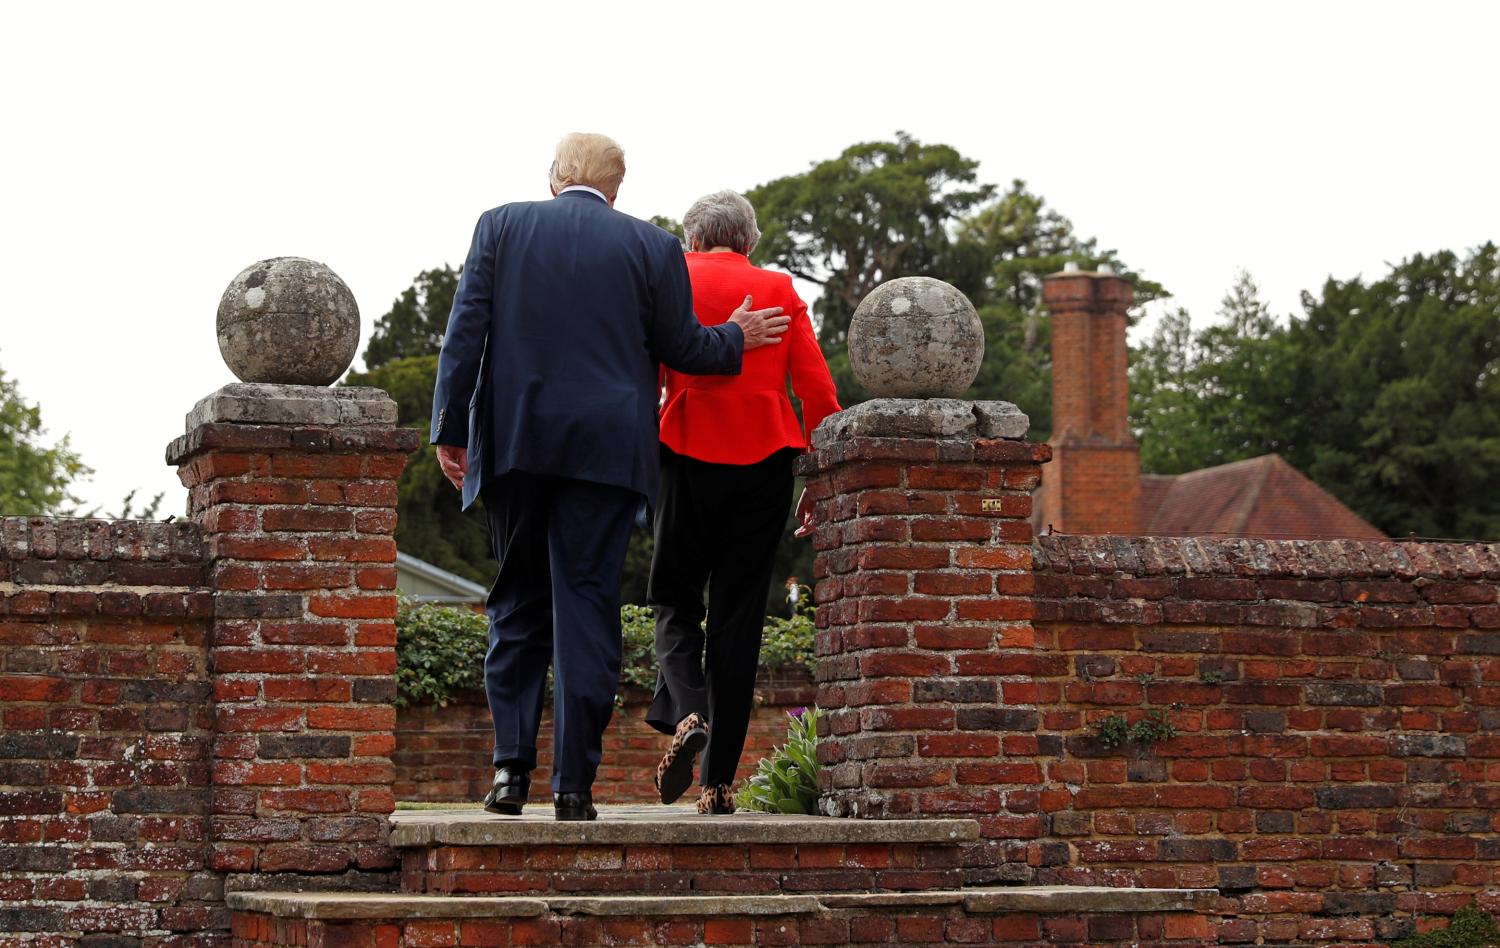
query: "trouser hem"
515, 754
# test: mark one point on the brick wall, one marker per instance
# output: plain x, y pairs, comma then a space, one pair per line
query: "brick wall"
107, 718
1336, 766
443, 753
295, 488
1337, 708
205, 705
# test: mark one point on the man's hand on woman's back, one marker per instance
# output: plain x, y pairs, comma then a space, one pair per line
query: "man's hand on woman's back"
762, 327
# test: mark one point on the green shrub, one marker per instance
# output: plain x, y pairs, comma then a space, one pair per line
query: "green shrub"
638, 663
1469, 928
787, 781
788, 642
440, 649
439, 652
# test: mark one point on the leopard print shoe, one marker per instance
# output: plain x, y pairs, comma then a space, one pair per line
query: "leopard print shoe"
717, 800
675, 772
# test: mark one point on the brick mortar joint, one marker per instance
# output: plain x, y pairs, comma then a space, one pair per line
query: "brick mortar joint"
11, 589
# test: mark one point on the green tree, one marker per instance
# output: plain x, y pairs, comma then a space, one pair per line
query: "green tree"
35, 479
672, 226
1220, 394
1396, 384
416, 321
879, 210
882, 210
1002, 253
1386, 392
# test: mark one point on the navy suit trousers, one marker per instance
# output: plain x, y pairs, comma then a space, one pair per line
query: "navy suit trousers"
556, 602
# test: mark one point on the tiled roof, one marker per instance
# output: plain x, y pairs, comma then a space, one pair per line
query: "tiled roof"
1258, 497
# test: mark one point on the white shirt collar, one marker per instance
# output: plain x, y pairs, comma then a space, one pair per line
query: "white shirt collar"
584, 187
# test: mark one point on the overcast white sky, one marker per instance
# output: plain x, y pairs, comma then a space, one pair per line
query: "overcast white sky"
153, 150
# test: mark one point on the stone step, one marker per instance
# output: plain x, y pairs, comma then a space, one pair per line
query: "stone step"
656, 850
1022, 915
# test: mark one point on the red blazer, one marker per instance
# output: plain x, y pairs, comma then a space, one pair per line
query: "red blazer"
741, 419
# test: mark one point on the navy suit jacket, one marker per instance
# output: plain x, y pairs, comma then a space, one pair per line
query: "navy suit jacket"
550, 362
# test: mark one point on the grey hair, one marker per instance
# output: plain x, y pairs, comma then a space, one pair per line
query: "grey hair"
721, 219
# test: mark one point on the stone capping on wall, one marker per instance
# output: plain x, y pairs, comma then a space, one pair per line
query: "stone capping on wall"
1283, 559
1336, 584
51, 538
119, 569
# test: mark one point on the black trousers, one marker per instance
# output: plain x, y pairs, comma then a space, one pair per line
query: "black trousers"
716, 525
556, 601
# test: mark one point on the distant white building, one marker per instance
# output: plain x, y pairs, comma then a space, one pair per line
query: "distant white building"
423, 582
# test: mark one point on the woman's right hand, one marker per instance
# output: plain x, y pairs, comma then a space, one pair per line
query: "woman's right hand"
804, 515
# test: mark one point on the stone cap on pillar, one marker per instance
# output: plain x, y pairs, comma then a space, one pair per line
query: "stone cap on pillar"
262, 416
941, 418
269, 403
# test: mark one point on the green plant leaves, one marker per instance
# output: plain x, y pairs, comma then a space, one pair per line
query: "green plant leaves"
440, 651
1115, 730
787, 781
1469, 928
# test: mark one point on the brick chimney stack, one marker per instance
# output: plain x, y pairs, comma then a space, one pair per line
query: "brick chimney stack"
1093, 484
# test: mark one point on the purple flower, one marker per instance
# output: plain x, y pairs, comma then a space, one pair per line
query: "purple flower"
797, 712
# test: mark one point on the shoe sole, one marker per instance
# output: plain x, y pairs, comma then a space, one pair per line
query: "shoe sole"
504, 808
679, 774
507, 805
574, 816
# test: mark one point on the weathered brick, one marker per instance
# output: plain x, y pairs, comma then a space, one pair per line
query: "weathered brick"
996, 719
1355, 797
275, 746
1345, 693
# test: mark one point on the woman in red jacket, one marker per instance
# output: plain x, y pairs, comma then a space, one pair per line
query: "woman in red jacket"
727, 447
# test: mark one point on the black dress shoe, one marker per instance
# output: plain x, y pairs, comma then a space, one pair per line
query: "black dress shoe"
574, 806
508, 793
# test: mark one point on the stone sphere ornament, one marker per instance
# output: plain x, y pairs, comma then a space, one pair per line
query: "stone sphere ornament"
288, 320
916, 337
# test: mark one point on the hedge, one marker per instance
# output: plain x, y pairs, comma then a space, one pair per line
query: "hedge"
440, 649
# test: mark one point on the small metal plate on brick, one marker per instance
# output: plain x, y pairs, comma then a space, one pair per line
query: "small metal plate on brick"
990, 504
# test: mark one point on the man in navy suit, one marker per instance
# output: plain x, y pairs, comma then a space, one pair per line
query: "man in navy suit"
546, 407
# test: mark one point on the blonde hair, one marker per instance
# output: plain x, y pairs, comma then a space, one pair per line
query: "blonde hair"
591, 159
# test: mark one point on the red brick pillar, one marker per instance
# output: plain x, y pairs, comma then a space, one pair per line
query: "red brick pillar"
1094, 483
295, 488
925, 645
